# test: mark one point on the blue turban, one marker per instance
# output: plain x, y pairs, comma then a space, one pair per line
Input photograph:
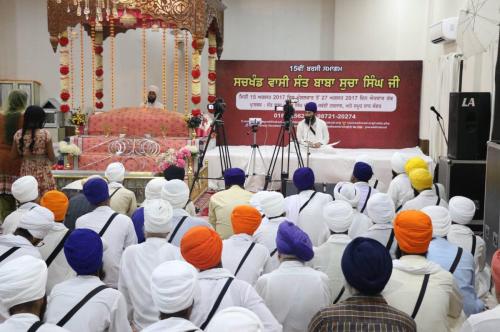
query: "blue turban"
303, 178
96, 190
367, 265
83, 250
362, 171
291, 240
234, 176
311, 107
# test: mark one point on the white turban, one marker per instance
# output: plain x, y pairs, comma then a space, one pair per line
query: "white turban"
22, 280
462, 209
256, 200
25, 189
273, 204
173, 286
235, 319
338, 216
398, 162
157, 215
38, 221
153, 88
153, 188
115, 172
380, 208
346, 191
176, 192
441, 221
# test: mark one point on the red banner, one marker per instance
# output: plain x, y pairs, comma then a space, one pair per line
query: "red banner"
366, 104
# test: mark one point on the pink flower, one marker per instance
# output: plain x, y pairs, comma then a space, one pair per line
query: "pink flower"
181, 163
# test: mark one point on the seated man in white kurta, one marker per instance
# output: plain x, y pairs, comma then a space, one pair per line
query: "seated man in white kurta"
312, 131
153, 98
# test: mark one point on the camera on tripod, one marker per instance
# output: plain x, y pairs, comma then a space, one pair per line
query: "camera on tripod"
217, 108
288, 110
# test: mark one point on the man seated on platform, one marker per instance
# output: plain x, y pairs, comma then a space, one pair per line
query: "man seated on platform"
312, 131
175, 172
425, 194
222, 203
122, 200
152, 101
361, 174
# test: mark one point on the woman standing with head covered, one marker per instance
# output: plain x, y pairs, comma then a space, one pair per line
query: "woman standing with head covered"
10, 122
34, 145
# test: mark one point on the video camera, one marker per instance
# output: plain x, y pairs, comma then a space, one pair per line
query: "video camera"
217, 108
288, 110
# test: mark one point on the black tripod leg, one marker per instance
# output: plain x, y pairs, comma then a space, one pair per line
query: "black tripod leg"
274, 159
226, 147
300, 160
201, 159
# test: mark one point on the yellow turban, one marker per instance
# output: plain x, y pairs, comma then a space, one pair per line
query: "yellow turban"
415, 163
245, 219
421, 179
202, 247
57, 202
413, 231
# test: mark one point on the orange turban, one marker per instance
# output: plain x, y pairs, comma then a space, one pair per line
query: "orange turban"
57, 202
415, 163
413, 231
245, 219
201, 247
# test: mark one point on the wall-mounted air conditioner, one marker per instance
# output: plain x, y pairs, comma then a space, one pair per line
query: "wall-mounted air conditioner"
444, 31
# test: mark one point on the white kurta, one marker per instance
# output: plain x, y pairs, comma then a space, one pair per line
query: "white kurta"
233, 250
22, 322
382, 233
311, 219
364, 196
361, 223
294, 293
119, 235
59, 269
266, 235
327, 258
12, 220
123, 201
25, 247
156, 104
106, 311
424, 199
188, 223
137, 265
173, 324
442, 303
487, 321
239, 293
400, 190
304, 134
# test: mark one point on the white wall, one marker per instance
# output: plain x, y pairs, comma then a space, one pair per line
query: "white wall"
259, 29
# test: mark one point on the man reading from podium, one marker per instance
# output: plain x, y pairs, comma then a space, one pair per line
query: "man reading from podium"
312, 131
152, 101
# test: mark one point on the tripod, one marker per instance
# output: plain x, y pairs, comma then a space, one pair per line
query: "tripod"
287, 127
253, 154
216, 127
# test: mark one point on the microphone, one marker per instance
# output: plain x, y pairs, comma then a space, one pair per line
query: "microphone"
436, 112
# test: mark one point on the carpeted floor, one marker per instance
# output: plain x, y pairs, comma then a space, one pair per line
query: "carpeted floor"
202, 203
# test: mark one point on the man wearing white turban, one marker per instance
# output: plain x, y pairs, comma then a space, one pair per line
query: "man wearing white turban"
173, 287
346, 191
235, 319
380, 209
139, 261
22, 293
25, 192
176, 192
153, 98
454, 259
33, 227
400, 188
462, 210
122, 200
327, 257
272, 206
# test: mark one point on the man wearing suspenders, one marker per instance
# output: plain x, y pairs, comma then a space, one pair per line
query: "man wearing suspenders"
243, 257
179, 173
22, 290
218, 288
347, 192
116, 229
294, 292
361, 174
426, 193
122, 200
85, 303
25, 191
459, 262
419, 287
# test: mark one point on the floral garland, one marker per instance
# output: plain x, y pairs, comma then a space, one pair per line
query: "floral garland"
173, 158
197, 45
99, 72
212, 57
64, 71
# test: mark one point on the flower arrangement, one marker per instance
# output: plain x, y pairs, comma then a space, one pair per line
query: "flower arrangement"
193, 149
194, 119
69, 148
78, 118
172, 157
